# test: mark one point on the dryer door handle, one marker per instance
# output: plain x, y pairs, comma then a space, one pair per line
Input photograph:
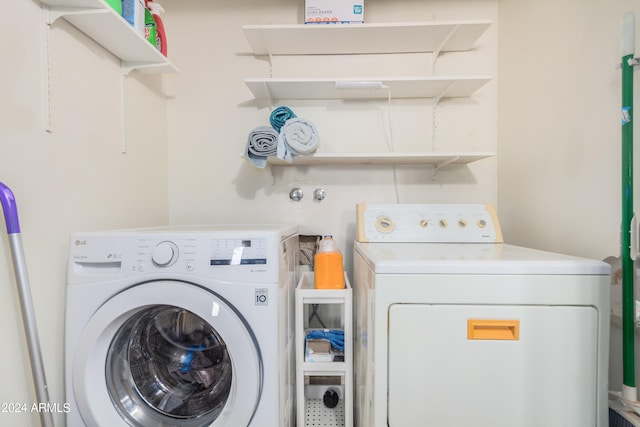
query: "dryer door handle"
493, 329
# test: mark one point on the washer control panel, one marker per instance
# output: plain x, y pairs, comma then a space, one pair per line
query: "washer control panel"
428, 223
238, 251
227, 254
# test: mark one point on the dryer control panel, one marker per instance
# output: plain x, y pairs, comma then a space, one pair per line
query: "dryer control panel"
427, 223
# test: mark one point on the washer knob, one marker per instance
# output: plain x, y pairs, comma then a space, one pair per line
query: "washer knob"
164, 254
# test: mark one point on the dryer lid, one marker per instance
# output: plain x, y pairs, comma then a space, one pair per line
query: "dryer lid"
472, 258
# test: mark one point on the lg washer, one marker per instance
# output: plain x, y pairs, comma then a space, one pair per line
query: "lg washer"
183, 326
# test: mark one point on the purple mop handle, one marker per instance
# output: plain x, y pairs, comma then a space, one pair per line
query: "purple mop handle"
8, 201
10, 208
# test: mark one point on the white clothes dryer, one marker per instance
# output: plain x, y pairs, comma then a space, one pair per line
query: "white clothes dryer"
183, 326
456, 328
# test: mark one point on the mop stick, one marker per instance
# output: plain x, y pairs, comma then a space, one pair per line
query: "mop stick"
8, 201
629, 391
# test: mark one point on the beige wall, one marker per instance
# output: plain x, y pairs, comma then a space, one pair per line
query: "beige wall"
559, 124
67, 172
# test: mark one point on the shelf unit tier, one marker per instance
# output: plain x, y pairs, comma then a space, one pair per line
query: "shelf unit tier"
410, 37
438, 160
365, 88
324, 369
101, 23
316, 414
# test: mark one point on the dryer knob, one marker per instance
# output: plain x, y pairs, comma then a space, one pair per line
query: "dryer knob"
164, 254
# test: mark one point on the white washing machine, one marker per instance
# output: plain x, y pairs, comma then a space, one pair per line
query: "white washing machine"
181, 327
455, 328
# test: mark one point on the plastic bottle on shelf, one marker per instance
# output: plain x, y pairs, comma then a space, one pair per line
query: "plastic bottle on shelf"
149, 27
328, 268
161, 37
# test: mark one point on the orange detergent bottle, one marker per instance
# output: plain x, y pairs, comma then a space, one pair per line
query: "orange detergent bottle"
328, 268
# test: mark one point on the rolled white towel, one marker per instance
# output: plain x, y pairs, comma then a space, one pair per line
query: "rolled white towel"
297, 137
261, 143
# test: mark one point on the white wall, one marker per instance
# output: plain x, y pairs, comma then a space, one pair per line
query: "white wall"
67, 172
213, 111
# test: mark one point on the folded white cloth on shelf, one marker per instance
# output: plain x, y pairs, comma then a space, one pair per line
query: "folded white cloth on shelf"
261, 143
297, 137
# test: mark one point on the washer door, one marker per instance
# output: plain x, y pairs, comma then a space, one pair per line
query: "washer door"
167, 353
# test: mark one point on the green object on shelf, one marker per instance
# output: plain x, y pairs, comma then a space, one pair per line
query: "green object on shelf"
115, 5
149, 27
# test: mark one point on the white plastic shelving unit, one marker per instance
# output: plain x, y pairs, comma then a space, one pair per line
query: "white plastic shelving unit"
101, 23
311, 410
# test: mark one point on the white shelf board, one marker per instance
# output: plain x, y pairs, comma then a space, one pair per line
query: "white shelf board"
324, 368
102, 24
397, 87
410, 37
436, 159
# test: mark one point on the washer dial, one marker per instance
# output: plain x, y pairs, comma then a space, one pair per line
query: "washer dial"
165, 254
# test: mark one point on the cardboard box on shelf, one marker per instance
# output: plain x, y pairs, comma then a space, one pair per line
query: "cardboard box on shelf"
334, 12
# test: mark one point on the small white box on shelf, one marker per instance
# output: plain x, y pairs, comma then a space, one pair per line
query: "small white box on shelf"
334, 12
318, 350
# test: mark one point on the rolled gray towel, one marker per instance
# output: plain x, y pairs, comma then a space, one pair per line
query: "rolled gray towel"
261, 143
297, 137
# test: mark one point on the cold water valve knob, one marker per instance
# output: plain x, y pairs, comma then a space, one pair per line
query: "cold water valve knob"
165, 254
